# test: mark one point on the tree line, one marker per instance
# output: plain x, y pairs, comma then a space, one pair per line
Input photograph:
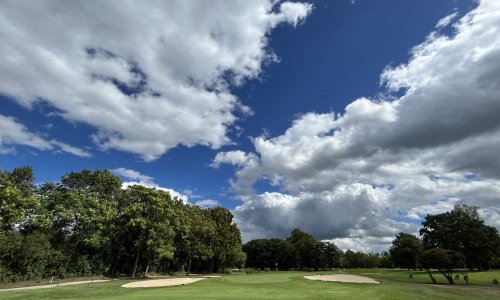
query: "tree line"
301, 251
87, 224
451, 240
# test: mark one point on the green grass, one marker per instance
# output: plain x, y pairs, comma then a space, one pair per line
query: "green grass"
285, 285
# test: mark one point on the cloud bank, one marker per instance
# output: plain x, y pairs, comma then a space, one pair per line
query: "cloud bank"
147, 75
361, 176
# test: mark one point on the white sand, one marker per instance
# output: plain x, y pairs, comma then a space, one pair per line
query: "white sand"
342, 278
47, 286
161, 282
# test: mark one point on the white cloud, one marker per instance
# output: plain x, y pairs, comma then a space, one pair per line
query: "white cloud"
446, 20
136, 178
238, 158
207, 203
364, 175
14, 133
147, 75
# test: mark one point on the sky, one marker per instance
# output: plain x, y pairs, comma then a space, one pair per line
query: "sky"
349, 119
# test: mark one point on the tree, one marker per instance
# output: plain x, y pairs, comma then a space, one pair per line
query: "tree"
405, 250
227, 240
103, 182
17, 201
443, 260
194, 234
146, 215
462, 230
303, 244
87, 223
386, 260
22, 178
332, 255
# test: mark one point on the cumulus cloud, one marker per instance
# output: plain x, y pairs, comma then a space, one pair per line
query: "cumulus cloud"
13, 133
136, 178
237, 157
207, 203
147, 75
361, 176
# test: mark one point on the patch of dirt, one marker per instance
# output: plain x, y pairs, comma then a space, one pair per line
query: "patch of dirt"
161, 282
342, 278
47, 286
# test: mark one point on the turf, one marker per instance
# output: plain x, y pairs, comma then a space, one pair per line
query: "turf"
285, 285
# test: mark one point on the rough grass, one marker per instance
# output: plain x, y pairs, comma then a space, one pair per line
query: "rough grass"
395, 284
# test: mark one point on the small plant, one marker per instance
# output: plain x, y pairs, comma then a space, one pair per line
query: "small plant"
495, 281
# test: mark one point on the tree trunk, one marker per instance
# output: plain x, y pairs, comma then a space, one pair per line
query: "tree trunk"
432, 277
136, 262
448, 276
189, 267
147, 266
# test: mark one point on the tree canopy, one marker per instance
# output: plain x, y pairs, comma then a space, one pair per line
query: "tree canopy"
462, 230
87, 224
405, 250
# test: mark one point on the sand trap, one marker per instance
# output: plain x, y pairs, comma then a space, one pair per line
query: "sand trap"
47, 286
211, 276
161, 282
342, 278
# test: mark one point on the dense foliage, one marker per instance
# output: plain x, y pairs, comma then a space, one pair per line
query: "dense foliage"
405, 250
301, 251
457, 239
462, 230
443, 260
87, 224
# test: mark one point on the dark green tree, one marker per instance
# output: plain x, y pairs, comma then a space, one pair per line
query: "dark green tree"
405, 250
464, 231
227, 244
303, 244
443, 260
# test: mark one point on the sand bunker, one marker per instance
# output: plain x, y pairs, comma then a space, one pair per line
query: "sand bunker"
161, 282
47, 286
342, 278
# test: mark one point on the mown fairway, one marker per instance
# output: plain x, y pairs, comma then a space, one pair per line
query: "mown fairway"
284, 285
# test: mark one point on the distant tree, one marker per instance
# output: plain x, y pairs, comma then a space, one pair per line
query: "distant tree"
332, 255
464, 231
303, 244
405, 250
443, 260
353, 259
386, 260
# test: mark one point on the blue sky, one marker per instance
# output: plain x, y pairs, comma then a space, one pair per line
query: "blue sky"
330, 116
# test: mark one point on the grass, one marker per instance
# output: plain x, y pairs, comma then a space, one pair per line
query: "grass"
395, 284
